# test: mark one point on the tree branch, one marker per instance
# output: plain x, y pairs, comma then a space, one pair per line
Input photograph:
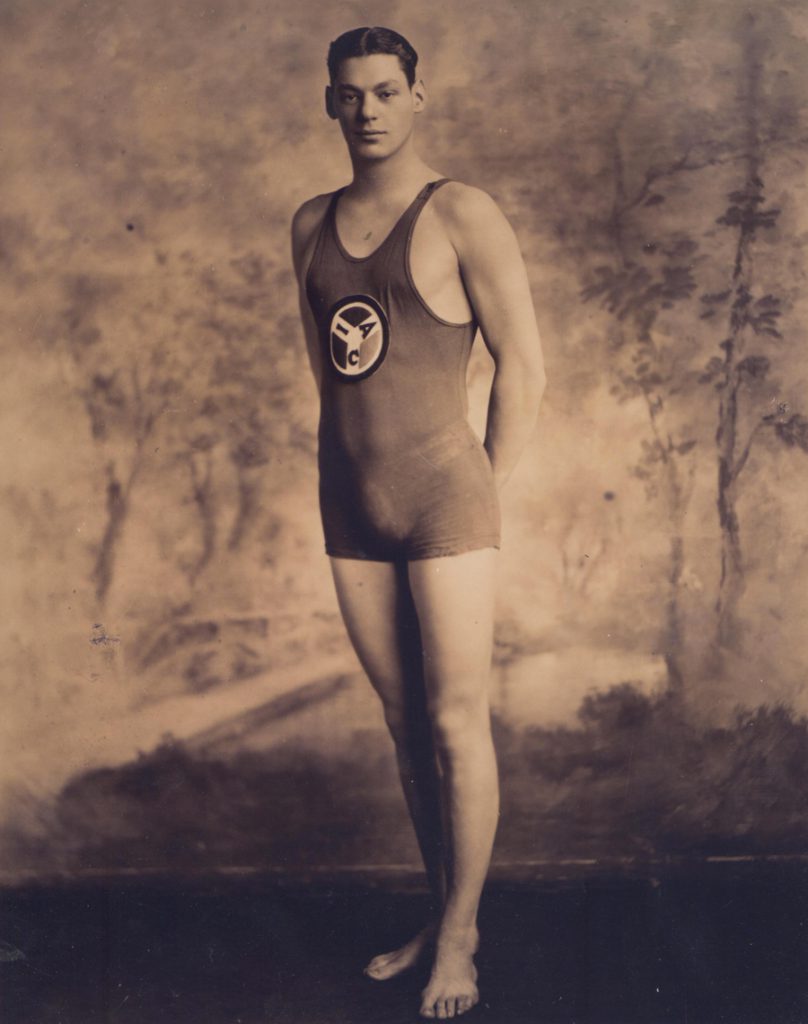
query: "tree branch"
654, 174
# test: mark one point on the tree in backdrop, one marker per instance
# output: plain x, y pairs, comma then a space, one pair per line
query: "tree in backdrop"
652, 269
753, 336
199, 361
126, 390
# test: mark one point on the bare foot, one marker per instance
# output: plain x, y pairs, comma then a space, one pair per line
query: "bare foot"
452, 988
388, 965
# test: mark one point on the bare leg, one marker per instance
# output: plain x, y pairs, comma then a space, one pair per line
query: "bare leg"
454, 598
380, 617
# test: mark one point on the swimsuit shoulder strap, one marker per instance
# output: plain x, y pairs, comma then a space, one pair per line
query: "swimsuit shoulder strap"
403, 230
326, 232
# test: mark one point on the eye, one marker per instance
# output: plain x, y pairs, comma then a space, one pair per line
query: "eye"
386, 95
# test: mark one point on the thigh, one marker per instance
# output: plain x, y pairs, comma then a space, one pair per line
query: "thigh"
454, 598
380, 617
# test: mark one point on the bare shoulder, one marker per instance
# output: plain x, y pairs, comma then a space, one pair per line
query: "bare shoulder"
308, 217
306, 223
464, 208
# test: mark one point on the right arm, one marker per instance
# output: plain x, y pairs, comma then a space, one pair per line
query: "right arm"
305, 229
496, 280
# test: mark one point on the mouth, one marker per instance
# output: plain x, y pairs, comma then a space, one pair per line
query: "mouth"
369, 134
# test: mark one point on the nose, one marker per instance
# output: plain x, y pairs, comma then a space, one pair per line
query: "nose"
367, 110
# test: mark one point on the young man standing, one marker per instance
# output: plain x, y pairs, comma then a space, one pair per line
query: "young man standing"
396, 272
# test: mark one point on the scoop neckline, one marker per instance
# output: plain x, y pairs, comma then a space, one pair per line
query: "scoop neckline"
363, 259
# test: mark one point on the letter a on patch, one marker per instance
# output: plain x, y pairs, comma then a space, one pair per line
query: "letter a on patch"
359, 335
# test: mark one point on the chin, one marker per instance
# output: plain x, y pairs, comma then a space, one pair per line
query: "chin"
377, 152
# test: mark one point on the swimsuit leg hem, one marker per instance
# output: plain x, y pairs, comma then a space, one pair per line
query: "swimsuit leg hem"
419, 554
357, 556
448, 550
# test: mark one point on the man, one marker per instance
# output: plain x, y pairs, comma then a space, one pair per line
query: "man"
396, 271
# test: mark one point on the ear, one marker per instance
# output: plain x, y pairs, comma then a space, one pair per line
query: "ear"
419, 95
329, 103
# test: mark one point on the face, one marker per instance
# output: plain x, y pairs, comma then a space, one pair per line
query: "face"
374, 105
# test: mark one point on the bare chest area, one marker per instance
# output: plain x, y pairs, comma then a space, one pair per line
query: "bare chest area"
362, 229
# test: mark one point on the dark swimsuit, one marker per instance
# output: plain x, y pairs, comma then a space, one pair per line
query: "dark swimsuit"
402, 474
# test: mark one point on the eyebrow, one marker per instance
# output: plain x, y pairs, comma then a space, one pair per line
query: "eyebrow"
380, 85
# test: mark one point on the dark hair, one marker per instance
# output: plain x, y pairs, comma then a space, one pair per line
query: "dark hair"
362, 42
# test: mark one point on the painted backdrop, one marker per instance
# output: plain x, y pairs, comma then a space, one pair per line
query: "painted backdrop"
176, 683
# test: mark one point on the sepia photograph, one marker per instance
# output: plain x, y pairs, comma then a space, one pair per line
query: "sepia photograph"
405, 445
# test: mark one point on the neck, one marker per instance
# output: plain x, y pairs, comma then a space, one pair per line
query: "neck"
397, 173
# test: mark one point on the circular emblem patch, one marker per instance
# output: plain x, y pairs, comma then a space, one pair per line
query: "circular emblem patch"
358, 336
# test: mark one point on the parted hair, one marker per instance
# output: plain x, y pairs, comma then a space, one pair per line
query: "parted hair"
362, 42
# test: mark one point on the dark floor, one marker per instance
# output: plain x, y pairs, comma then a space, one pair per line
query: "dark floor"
702, 948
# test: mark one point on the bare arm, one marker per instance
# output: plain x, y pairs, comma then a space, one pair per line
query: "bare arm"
496, 281
305, 227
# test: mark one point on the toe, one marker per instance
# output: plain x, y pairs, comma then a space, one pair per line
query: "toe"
451, 1007
440, 1006
381, 967
427, 1011
464, 1003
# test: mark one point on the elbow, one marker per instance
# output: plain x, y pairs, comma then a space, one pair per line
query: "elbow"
521, 385
536, 371
534, 381
539, 383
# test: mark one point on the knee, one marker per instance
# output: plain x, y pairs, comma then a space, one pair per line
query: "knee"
404, 723
460, 724
395, 720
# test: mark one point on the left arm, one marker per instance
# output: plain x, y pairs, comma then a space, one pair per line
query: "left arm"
495, 278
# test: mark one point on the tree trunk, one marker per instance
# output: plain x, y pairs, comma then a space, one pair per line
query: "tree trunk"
732, 582
674, 633
117, 511
249, 487
202, 489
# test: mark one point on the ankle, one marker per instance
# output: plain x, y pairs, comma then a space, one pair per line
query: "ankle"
461, 936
